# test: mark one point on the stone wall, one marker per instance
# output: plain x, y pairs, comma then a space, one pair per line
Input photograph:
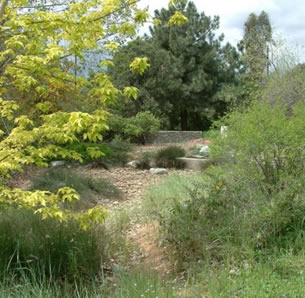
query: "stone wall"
171, 136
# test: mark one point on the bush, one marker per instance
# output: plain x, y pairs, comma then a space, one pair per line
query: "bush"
253, 202
287, 88
113, 153
134, 128
49, 248
90, 190
120, 150
83, 149
167, 157
263, 166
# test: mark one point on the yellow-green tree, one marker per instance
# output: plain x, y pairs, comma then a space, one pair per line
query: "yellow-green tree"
35, 38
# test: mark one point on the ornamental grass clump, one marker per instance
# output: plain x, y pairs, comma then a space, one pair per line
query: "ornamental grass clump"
167, 157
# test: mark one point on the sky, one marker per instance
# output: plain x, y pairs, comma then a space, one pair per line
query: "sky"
287, 17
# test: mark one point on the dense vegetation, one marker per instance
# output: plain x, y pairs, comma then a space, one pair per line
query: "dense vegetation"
234, 230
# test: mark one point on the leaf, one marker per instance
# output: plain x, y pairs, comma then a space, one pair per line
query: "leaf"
131, 92
139, 65
177, 19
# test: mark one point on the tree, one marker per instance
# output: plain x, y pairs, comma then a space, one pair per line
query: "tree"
35, 41
257, 41
189, 67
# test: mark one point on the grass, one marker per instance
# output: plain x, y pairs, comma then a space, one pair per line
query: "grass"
167, 157
50, 248
142, 283
279, 274
261, 279
91, 190
274, 271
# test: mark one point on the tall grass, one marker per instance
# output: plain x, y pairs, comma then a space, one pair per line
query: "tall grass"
143, 283
50, 248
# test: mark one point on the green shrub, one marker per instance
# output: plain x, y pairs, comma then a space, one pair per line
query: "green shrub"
286, 88
134, 128
120, 150
112, 153
83, 149
91, 190
167, 157
49, 248
208, 134
251, 204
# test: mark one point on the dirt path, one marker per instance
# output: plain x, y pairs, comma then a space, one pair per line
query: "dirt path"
133, 183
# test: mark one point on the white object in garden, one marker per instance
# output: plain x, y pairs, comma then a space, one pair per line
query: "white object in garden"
224, 130
158, 171
58, 163
134, 164
204, 150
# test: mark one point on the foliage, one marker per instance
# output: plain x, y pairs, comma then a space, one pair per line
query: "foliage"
286, 88
120, 151
134, 128
252, 203
188, 67
256, 48
90, 151
38, 43
142, 284
91, 190
111, 153
246, 279
167, 157
49, 248
257, 41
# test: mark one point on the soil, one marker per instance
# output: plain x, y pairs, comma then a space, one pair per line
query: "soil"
133, 183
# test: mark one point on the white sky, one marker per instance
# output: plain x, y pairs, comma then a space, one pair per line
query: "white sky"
287, 17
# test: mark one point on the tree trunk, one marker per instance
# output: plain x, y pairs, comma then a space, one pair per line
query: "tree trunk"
183, 119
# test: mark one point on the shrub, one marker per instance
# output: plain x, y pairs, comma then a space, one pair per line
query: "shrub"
111, 153
286, 88
120, 150
83, 149
90, 190
134, 128
167, 157
253, 202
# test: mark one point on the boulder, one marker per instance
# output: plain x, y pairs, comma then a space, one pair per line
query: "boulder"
158, 171
134, 164
204, 150
58, 163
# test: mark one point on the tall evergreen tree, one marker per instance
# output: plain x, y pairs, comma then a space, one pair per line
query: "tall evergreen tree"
257, 41
192, 49
189, 67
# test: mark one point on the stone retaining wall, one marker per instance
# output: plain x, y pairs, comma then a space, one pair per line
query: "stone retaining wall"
171, 136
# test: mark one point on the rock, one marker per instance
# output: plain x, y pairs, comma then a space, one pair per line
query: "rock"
58, 163
158, 171
204, 150
134, 164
